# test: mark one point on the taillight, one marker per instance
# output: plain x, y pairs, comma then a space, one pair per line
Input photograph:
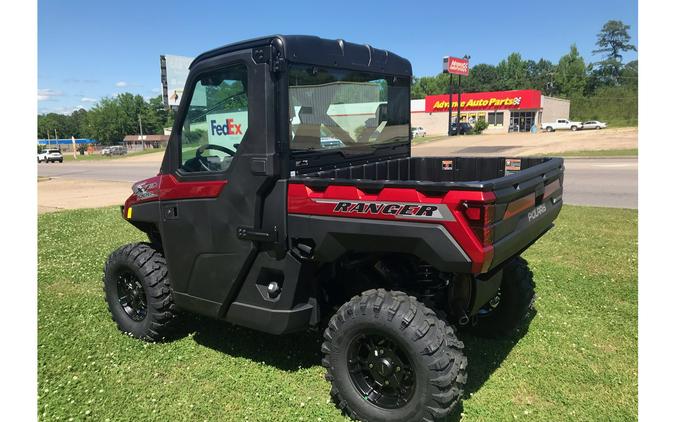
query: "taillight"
480, 216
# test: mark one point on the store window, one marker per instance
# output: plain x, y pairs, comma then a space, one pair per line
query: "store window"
496, 119
521, 121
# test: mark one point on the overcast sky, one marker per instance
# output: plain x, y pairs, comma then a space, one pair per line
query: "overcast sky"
90, 49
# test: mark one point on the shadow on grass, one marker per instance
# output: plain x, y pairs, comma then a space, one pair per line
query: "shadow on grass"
289, 352
292, 352
485, 356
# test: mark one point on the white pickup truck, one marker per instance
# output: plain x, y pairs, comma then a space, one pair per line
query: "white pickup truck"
561, 124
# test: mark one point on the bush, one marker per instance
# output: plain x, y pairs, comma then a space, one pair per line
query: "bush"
479, 127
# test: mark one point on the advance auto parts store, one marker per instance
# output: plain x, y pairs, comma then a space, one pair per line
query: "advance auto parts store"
504, 111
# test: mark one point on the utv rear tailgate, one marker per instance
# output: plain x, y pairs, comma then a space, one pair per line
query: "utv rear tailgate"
493, 207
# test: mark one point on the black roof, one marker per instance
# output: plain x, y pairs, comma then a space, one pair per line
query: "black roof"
320, 51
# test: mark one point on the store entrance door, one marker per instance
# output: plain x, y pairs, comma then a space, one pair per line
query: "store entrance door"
521, 121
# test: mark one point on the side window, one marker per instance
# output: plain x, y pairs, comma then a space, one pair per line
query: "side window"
216, 120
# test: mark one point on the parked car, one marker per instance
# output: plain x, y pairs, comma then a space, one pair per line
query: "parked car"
464, 128
561, 124
329, 142
50, 156
594, 124
418, 131
114, 150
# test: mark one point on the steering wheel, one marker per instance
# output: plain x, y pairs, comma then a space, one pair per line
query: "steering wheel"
201, 149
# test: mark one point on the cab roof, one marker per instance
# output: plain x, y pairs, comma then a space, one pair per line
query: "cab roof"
323, 52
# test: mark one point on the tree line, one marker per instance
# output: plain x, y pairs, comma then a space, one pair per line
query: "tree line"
109, 120
602, 90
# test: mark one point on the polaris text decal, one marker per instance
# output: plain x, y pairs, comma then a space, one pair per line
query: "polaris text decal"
536, 212
395, 209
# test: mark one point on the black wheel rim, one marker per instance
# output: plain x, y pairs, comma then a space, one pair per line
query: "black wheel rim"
131, 296
381, 371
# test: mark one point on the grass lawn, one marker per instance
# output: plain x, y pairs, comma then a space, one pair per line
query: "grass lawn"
577, 360
631, 152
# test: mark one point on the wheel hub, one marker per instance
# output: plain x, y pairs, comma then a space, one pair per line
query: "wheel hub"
381, 371
131, 296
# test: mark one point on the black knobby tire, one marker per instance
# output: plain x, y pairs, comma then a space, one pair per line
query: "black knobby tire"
434, 361
516, 302
139, 264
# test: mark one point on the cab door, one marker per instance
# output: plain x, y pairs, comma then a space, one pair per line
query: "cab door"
214, 178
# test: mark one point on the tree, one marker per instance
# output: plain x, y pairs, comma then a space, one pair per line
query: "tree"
613, 40
512, 72
482, 77
570, 75
540, 75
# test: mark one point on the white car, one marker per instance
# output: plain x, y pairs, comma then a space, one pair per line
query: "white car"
50, 156
561, 124
418, 131
594, 124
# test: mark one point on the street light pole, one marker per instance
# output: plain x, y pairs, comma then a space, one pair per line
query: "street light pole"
450, 106
140, 125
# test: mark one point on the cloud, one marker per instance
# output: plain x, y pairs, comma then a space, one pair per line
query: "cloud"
88, 100
121, 84
80, 81
48, 94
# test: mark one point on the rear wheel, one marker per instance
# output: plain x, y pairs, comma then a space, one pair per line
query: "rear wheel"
514, 302
549, 129
574, 128
390, 358
136, 286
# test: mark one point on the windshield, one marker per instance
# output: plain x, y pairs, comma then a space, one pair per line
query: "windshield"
345, 109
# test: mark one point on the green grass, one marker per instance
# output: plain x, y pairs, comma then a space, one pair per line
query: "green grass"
68, 156
577, 360
631, 152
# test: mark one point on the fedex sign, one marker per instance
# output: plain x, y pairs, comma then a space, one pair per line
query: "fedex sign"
229, 128
226, 129
456, 66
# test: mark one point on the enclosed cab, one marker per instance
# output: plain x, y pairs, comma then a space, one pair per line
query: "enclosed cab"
288, 199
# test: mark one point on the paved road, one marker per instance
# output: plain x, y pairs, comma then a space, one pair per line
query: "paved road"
604, 182
113, 170
601, 182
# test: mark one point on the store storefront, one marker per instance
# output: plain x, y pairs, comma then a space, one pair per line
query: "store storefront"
504, 111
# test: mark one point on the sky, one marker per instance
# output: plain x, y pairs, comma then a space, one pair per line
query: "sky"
90, 49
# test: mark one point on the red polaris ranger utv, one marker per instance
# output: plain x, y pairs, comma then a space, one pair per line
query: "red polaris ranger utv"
288, 197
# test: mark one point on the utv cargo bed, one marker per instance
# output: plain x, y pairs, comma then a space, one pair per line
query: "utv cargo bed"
507, 203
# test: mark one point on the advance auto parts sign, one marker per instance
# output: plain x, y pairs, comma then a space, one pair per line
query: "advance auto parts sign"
227, 129
496, 100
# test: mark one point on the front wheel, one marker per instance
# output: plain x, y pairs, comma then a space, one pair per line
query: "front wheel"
137, 290
514, 302
390, 358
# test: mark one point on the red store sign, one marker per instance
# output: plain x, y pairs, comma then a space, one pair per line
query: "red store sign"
456, 66
496, 100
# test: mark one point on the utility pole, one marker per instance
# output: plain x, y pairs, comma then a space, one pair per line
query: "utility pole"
56, 139
140, 125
